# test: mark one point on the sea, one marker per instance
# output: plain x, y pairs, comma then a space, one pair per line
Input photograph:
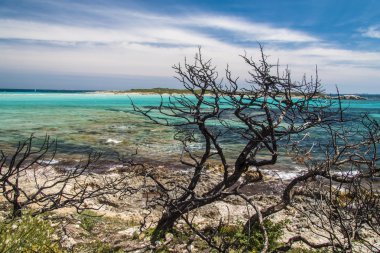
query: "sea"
88, 121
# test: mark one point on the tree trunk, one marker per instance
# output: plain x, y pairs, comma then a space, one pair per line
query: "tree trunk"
165, 224
16, 212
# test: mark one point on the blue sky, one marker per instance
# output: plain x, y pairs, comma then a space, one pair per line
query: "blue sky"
131, 44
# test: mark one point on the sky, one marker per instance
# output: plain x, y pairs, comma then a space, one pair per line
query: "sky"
124, 44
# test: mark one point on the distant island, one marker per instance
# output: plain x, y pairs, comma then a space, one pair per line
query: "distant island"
168, 91
171, 91
149, 91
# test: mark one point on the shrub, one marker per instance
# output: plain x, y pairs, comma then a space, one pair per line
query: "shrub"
240, 242
98, 247
274, 231
28, 234
88, 220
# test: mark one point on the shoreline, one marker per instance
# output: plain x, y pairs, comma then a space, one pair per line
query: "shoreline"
164, 92
177, 92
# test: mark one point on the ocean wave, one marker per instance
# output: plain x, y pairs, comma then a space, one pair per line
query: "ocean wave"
286, 174
48, 162
113, 141
348, 173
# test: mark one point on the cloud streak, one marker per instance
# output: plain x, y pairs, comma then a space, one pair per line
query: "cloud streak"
372, 32
251, 31
151, 29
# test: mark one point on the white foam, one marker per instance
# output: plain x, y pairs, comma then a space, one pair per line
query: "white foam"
174, 148
113, 141
49, 162
285, 175
348, 173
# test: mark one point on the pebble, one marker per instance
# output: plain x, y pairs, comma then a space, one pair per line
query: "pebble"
190, 248
142, 236
68, 242
169, 237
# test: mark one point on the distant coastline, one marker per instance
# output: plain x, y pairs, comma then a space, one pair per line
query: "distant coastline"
152, 91
168, 91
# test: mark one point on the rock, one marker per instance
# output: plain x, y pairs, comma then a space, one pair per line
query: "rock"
169, 237
290, 228
190, 248
210, 213
68, 242
180, 248
142, 236
349, 97
129, 231
235, 200
252, 176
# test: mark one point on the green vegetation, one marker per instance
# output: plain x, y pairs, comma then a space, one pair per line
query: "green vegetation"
274, 231
229, 236
89, 220
28, 234
98, 247
240, 242
159, 91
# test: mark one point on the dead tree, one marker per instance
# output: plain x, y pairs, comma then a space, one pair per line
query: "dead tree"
342, 204
27, 180
258, 117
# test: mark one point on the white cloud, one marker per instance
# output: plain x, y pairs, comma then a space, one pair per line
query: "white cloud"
250, 30
346, 68
372, 32
137, 44
158, 30
28, 30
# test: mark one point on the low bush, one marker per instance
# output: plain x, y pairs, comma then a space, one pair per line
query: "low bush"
28, 234
88, 220
237, 241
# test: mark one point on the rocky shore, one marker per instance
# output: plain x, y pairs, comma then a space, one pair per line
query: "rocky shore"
125, 222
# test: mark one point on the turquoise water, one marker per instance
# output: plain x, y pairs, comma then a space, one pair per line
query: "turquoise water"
104, 122
82, 122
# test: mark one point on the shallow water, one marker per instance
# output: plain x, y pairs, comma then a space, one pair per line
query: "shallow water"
82, 122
